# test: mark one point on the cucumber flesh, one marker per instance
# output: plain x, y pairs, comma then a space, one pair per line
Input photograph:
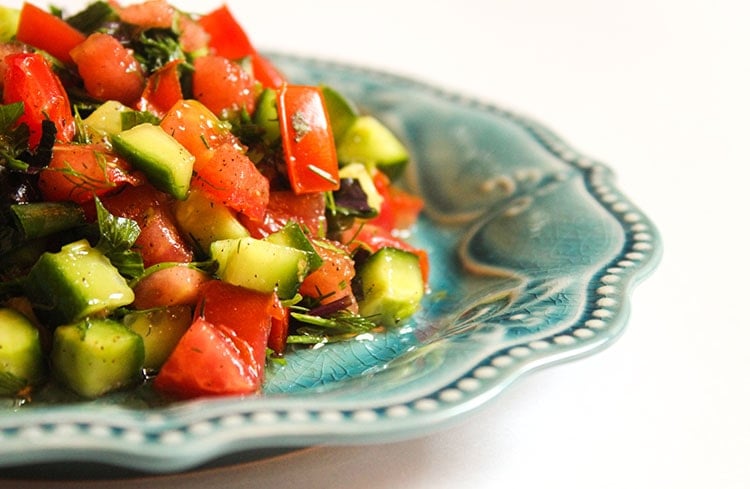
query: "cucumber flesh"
371, 143
22, 362
392, 286
161, 330
206, 221
97, 356
293, 236
261, 265
166, 162
106, 120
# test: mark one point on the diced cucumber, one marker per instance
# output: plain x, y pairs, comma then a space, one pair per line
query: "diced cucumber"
76, 282
341, 112
206, 221
267, 117
96, 356
392, 286
369, 142
293, 236
106, 120
359, 172
22, 363
166, 163
261, 265
8, 22
160, 329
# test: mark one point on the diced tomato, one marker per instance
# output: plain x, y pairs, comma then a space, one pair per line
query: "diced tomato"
159, 240
307, 139
7, 48
245, 311
228, 39
332, 281
109, 70
148, 14
223, 86
193, 37
198, 129
279, 329
209, 360
307, 210
231, 178
399, 209
47, 32
163, 89
171, 286
265, 72
78, 172
374, 237
29, 79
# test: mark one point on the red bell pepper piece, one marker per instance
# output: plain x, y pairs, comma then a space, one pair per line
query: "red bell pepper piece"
307, 139
29, 79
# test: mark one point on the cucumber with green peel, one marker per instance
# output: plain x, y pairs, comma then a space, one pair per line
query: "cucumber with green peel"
22, 362
293, 236
392, 286
261, 265
96, 356
341, 112
206, 221
370, 142
167, 163
160, 330
76, 282
266, 116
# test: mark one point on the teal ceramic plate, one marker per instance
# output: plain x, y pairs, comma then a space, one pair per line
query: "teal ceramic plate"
534, 255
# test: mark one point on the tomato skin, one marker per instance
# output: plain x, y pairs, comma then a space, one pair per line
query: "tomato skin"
223, 86
332, 281
148, 14
247, 312
228, 39
194, 126
307, 139
231, 178
209, 360
47, 32
78, 172
109, 70
307, 210
159, 240
193, 37
399, 209
172, 286
279, 330
29, 79
163, 89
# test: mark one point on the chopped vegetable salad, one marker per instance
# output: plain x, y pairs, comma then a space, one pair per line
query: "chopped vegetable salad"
176, 212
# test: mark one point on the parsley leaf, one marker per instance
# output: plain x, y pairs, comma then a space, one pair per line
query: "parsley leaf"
13, 139
116, 238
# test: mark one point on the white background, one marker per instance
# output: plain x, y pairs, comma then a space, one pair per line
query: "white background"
659, 91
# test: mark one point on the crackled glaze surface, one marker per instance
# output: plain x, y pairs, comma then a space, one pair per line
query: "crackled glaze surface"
534, 254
